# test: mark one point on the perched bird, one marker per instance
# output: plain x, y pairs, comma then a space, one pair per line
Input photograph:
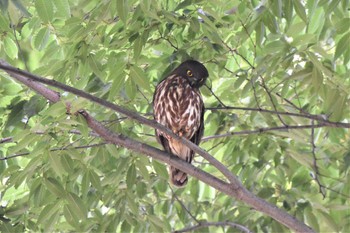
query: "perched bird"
178, 105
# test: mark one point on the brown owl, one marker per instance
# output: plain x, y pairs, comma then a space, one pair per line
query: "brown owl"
178, 105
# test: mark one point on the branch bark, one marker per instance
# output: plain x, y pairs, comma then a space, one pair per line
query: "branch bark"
234, 188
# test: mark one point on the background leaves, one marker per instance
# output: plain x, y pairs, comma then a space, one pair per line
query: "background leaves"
279, 55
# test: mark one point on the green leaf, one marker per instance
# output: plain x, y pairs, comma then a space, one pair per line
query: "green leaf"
300, 10
342, 45
41, 38
140, 78
316, 21
130, 88
77, 206
160, 169
63, 9
3, 5
95, 180
20, 7
95, 66
142, 167
122, 9
55, 187
48, 213
10, 48
34, 105
16, 115
44, 9
70, 216
156, 221
131, 176
138, 43
55, 163
333, 4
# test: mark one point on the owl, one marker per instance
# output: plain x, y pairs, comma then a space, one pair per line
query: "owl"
178, 105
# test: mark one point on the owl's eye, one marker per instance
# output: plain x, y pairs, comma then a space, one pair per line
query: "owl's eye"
189, 73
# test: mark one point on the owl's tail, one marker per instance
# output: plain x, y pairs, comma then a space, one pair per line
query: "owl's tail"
177, 177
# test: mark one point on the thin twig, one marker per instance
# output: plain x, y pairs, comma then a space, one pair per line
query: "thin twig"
216, 224
183, 205
319, 118
271, 99
262, 130
56, 149
17, 43
218, 99
315, 167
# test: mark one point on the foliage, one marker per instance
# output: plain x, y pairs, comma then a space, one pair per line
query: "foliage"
284, 56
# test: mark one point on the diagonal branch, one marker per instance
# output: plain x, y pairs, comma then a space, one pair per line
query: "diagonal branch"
28, 78
235, 190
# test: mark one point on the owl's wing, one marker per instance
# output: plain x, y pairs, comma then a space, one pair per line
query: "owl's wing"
196, 138
163, 141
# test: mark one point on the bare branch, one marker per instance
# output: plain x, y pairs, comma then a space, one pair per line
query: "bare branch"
40, 89
55, 149
315, 167
216, 224
234, 189
319, 118
183, 205
261, 130
6, 140
271, 99
18, 74
211, 91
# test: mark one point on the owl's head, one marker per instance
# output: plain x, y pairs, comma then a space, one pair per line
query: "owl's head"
194, 71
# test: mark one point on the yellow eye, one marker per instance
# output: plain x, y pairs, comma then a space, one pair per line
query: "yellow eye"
189, 73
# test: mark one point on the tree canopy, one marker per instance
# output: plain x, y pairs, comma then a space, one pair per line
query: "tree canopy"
277, 114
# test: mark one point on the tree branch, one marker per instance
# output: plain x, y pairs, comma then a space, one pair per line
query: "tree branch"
216, 224
315, 167
234, 189
55, 149
183, 205
261, 130
28, 78
319, 118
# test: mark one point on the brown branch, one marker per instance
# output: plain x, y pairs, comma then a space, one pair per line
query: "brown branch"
49, 94
315, 167
271, 99
234, 189
6, 140
240, 193
216, 224
24, 77
319, 118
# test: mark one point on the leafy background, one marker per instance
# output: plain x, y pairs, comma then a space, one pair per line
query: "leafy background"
290, 56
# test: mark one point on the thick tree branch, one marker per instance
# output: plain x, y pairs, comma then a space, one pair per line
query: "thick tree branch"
23, 76
234, 189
